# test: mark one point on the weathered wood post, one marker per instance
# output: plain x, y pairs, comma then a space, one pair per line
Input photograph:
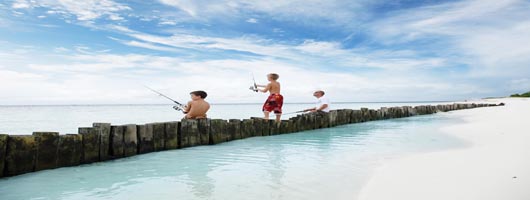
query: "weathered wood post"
298, 120
204, 131
355, 116
116, 142
219, 131
70, 150
21, 153
247, 128
171, 135
274, 127
333, 118
234, 129
145, 138
3, 149
130, 140
311, 121
383, 112
347, 116
159, 132
90, 144
285, 127
47, 144
188, 133
103, 130
261, 126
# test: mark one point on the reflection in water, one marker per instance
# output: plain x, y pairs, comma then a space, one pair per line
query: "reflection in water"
321, 164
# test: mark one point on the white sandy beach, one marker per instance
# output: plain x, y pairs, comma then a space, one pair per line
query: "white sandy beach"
496, 166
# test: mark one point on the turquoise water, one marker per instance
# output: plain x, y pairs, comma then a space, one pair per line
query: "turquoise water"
321, 164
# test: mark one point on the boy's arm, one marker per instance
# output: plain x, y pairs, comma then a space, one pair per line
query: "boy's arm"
324, 106
266, 89
188, 108
310, 109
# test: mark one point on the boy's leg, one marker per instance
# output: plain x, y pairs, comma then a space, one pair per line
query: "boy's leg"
266, 115
278, 117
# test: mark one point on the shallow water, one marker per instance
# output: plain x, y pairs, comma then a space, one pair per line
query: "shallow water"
66, 119
320, 164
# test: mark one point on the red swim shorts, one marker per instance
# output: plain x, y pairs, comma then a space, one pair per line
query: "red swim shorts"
274, 103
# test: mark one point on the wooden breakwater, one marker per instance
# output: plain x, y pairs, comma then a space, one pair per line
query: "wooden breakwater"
21, 154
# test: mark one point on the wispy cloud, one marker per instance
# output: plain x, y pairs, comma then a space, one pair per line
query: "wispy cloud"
85, 10
490, 35
332, 12
443, 50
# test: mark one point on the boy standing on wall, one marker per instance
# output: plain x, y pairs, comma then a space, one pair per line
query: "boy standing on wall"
274, 102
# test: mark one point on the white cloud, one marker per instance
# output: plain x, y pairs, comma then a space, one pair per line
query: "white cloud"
21, 4
113, 78
86, 10
252, 20
310, 52
490, 36
168, 22
334, 12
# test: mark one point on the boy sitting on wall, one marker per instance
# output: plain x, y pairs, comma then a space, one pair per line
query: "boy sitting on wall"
197, 107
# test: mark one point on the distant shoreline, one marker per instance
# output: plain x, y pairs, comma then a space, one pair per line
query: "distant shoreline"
251, 103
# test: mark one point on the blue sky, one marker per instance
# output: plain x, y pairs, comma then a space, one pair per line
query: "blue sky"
103, 51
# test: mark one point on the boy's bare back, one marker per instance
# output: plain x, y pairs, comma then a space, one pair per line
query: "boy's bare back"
197, 109
274, 87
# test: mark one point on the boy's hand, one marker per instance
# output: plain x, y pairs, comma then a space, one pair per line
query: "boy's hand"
253, 88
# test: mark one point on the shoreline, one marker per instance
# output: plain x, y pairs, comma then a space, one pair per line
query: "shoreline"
494, 166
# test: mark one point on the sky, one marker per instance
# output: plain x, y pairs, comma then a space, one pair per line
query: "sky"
105, 51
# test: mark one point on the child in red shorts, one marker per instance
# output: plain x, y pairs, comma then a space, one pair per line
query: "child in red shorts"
274, 102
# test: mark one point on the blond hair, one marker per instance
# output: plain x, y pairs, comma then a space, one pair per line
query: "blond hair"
274, 76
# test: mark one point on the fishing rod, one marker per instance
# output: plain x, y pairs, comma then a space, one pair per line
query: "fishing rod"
255, 88
290, 113
178, 107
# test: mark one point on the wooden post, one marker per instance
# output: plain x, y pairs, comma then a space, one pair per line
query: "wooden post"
234, 129
159, 132
21, 153
103, 130
171, 135
3, 149
204, 131
258, 127
247, 128
47, 144
70, 150
90, 144
189, 133
130, 140
284, 127
116, 142
145, 138
218, 131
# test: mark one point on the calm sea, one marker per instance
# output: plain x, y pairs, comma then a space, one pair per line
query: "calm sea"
331, 163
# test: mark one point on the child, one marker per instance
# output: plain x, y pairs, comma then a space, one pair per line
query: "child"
275, 100
197, 107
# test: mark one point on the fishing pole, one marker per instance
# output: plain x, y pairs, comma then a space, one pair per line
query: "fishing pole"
255, 88
178, 107
301, 111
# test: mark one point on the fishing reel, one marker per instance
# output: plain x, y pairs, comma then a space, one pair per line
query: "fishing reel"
253, 88
178, 108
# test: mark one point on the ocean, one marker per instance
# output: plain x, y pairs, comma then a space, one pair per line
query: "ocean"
331, 163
